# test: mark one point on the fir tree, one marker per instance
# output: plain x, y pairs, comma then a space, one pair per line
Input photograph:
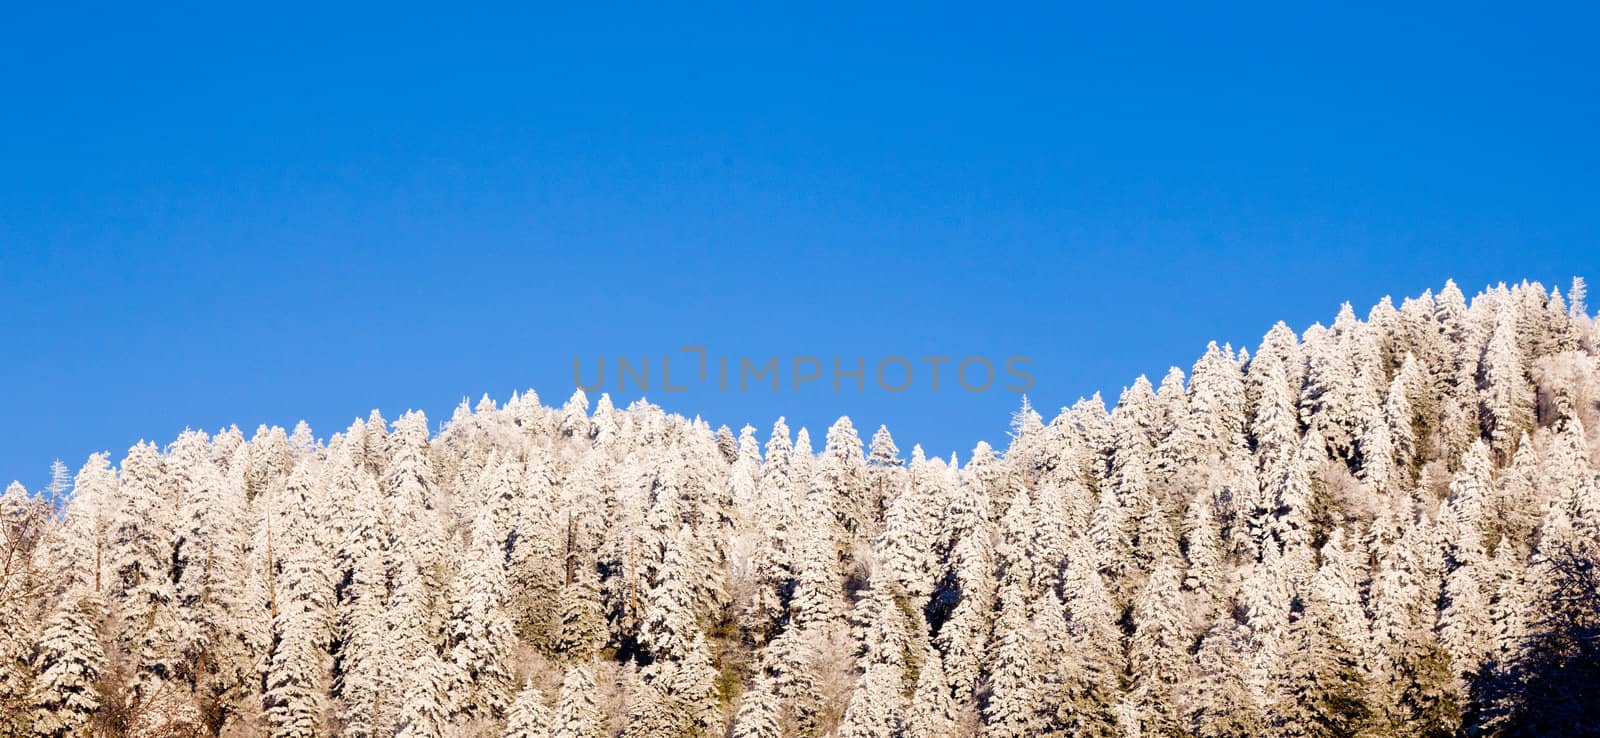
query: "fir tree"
758, 713
67, 665
529, 718
932, 711
1013, 701
577, 716
480, 635
425, 712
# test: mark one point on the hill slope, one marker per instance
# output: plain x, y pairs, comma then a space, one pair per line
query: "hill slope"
1386, 526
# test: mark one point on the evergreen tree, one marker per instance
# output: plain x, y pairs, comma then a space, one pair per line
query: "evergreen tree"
876, 705
529, 718
67, 665
370, 663
1219, 705
968, 597
1507, 398
669, 617
844, 476
582, 631
83, 539
1328, 694
1013, 679
932, 711
577, 716
758, 713
480, 635
1093, 685
1158, 649
425, 712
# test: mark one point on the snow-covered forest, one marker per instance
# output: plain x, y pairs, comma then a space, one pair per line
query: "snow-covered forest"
1386, 526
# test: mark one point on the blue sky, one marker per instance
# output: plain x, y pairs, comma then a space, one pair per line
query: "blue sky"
214, 215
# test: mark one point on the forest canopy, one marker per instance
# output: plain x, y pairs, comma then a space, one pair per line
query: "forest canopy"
1386, 526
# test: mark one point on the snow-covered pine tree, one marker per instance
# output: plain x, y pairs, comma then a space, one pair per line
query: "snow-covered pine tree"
582, 631
82, 540
1158, 648
931, 713
843, 473
480, 636
884, 471
1328, 694
529, 718
425, 703
210, 566
299, 667
968, 597
1507, 399
1014, 679
139, 541
1093, 676
577, 715
67, 665
1218, 703
758, 712
370, 665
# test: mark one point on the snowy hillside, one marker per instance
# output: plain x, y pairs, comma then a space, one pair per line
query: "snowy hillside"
1388, 526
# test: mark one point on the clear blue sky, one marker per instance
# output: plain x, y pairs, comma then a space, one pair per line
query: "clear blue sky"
212, 216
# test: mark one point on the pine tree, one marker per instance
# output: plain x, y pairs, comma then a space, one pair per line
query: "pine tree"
574, 422
1219, 703
1202, 549
758, 712
1013, 702
1337, 584
1093, 675
932, 711
677, 696
369, 660
1328, 694
67, 665
1507, 398
582, 632
1266, 596
529, 718
209, 565
294, 698
1464, 627
87, 517
875, 707
1330, 402
817, 596
905, 545
844, 475
21, 606
139, 541
669, 616
577, 716
1454, 382
969, 590
480, 635
1399, 414
303, 618
791, 661
425, 712
1158, 649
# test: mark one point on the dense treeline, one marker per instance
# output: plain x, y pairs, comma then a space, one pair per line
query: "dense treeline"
1383, 527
